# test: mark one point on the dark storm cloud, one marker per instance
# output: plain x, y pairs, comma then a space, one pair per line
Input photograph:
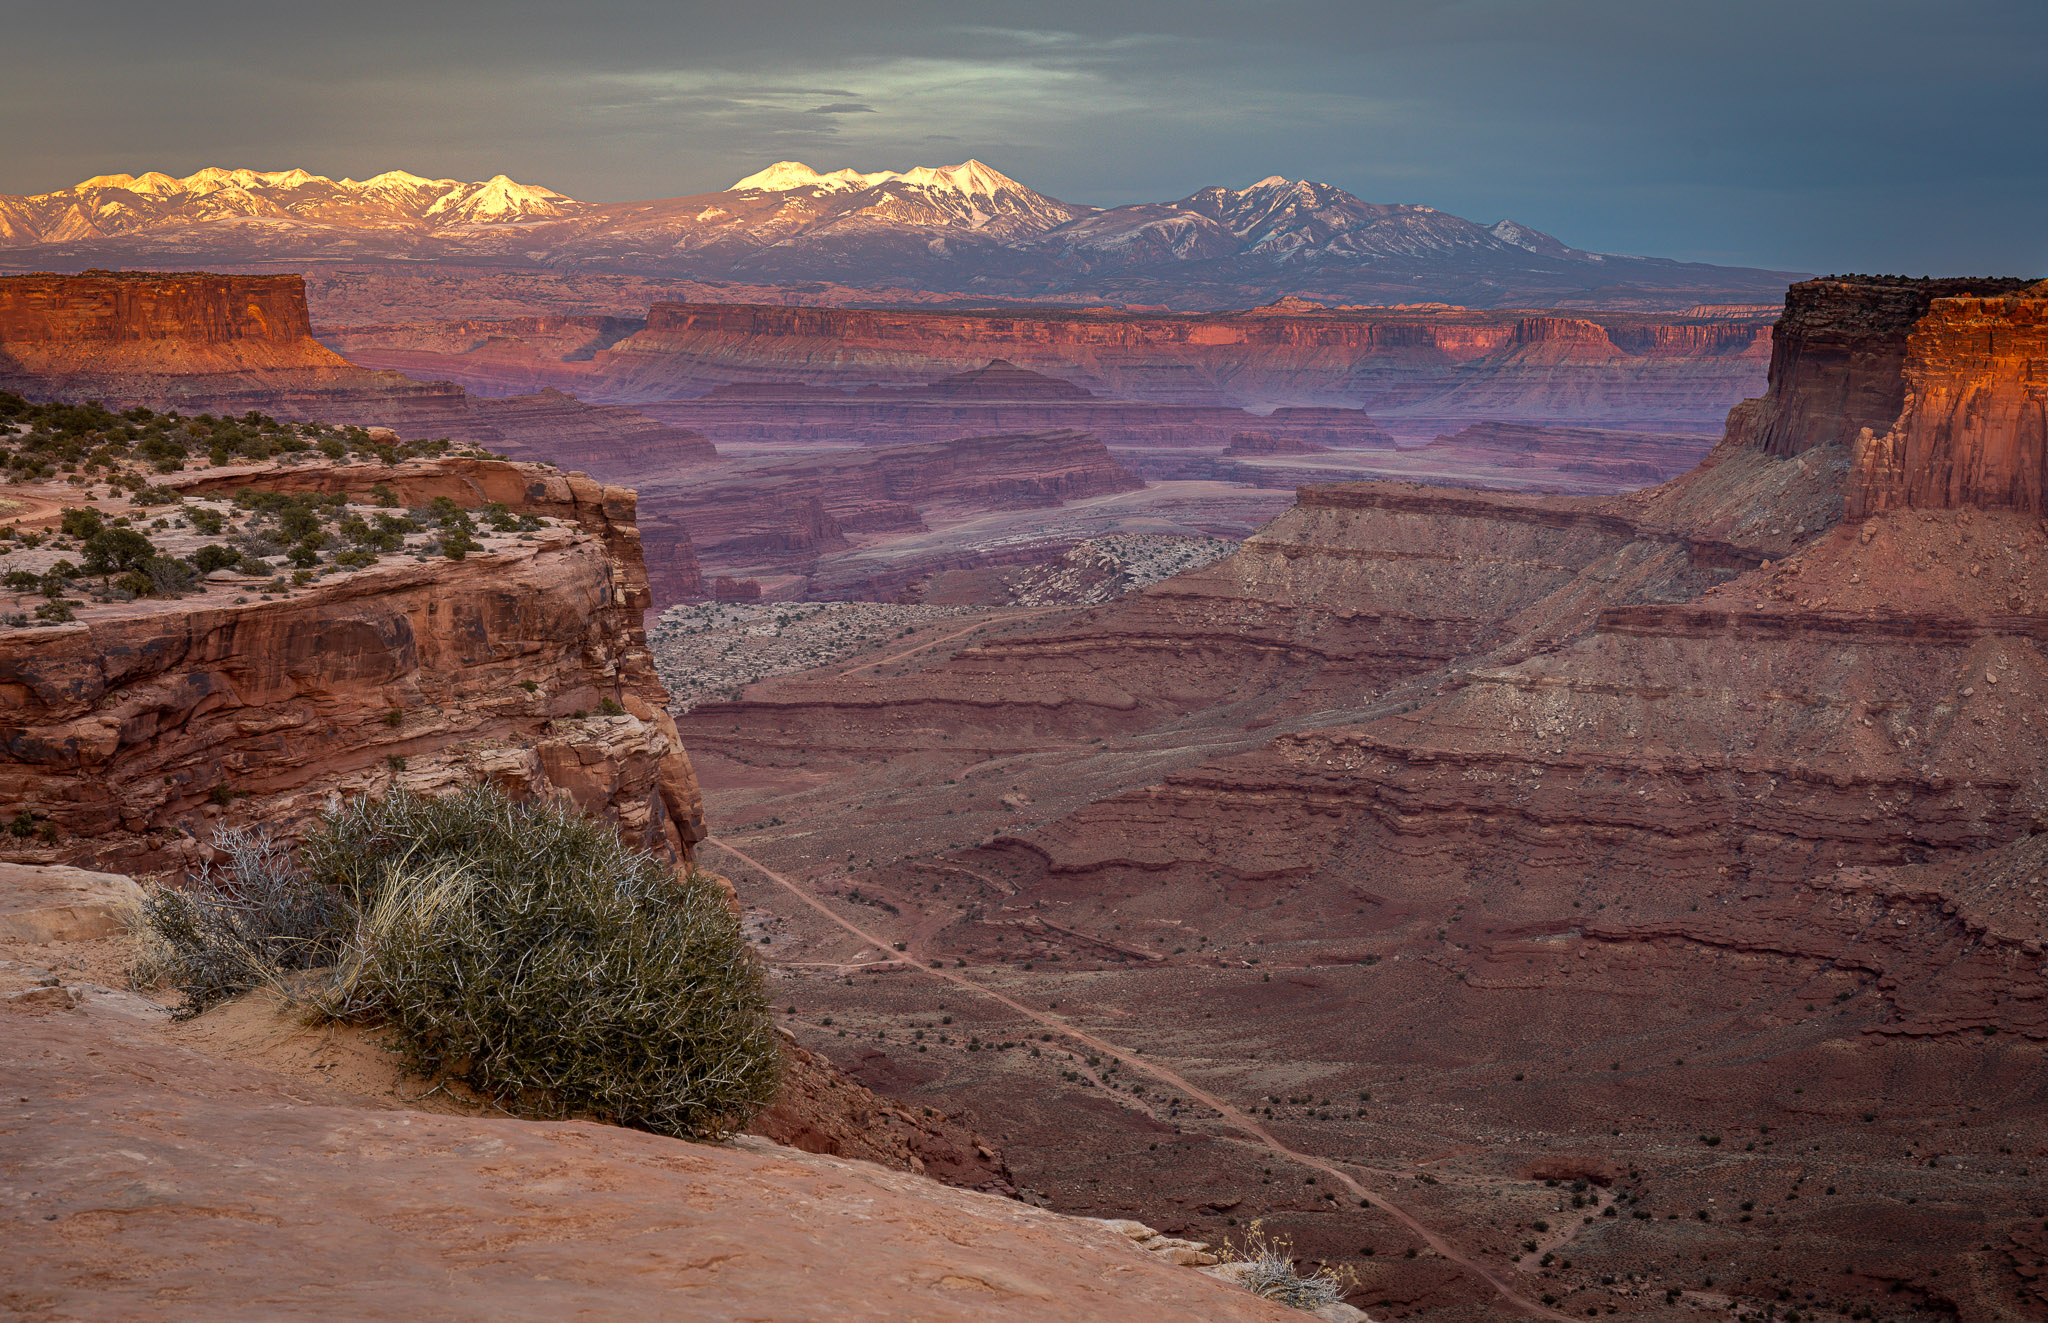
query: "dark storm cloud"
1825, 134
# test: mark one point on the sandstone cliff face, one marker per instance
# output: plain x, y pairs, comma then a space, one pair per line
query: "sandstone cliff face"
1837, 360
1427, 366
1973, 432
194, 342
126, 728
74, 315
227, 344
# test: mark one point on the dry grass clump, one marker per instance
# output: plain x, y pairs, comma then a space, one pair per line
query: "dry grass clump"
525, 950
237, 927
1271, 1273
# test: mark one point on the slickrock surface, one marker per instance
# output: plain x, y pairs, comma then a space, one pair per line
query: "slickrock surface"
52, 903
130, 727
154, 1180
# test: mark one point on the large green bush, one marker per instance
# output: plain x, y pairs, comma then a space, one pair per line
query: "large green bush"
525, 950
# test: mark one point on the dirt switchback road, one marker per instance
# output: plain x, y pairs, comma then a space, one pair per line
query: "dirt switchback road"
1239, 1120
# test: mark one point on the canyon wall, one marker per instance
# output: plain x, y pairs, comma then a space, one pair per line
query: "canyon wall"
1424, 367
1697, 831
135, 728
1441, 363
204, 343
71, 317
1838, 356
1698, 688
997, 397
1973, 432
778, 515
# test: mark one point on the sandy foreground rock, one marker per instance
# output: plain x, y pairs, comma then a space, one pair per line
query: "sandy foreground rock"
143, 1178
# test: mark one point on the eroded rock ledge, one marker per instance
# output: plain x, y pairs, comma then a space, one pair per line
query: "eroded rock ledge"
524, 664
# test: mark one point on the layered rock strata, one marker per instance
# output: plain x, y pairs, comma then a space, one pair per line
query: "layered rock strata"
1692, 692
200, 343
779, 515
999, 397
1409, 368
1838, 358
1973, 432
135, 728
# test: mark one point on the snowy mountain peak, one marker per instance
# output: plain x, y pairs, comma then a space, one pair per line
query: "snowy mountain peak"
501, 198
395, 179
786, 176
968, 179
1536, 241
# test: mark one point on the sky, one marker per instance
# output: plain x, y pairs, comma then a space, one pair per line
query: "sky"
1808, 135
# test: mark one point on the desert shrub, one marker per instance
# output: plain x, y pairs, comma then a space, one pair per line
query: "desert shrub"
521, 948
1272, 1274
169, 576
82, 522
236, 927
112, 550
529, 952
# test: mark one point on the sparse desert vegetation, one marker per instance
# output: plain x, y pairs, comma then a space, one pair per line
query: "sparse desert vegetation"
521, 948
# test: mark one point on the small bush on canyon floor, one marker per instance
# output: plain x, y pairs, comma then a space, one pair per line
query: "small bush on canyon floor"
524, 950
1271, 1272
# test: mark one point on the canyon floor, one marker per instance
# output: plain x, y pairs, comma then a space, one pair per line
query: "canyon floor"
1648, 1127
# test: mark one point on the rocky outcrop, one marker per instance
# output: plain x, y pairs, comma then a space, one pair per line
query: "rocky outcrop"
132, 729
1973, 432
1837, 359
138, 1147
197, 342
1407, 368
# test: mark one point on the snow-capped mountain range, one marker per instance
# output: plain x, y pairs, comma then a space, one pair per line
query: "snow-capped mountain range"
966, 229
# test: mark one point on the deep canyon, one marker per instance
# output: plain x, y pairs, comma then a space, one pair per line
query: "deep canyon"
1580, 853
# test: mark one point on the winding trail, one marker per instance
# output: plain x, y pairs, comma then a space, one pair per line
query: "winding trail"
983, 623
1236, 1118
